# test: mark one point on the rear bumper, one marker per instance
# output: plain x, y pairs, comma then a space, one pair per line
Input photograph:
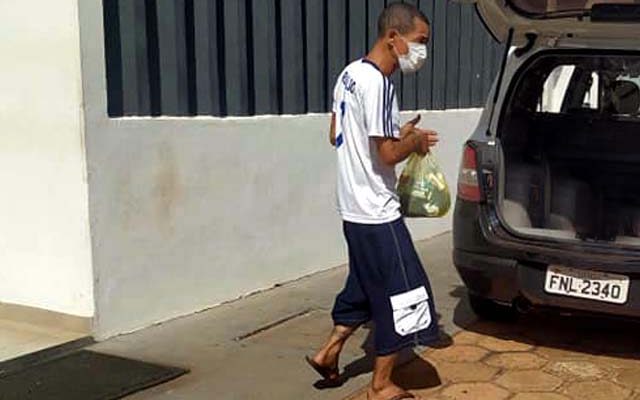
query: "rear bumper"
487, 276
505, 280
493, 268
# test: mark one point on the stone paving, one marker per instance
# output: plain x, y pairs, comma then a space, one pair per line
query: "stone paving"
536, 358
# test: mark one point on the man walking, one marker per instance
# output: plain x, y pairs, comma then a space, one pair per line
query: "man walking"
386, 281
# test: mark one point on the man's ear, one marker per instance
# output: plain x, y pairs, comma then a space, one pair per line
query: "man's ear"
391, 36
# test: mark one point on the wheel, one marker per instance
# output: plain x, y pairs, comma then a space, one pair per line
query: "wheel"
490, 310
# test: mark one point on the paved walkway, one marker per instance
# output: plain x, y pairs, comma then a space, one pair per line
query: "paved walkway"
254, 348
538, 358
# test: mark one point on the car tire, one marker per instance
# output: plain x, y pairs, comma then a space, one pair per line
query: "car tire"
492, 311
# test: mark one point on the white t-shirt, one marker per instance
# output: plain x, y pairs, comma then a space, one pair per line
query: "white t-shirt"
365, 106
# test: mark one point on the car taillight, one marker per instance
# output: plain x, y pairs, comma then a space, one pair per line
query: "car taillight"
468, 185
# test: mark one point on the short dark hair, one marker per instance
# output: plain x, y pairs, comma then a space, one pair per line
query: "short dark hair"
400, 16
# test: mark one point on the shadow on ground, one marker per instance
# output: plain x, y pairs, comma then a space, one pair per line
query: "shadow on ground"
415, 373
537, 356
587, 335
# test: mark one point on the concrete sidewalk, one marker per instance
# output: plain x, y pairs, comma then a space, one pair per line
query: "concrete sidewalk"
253, 348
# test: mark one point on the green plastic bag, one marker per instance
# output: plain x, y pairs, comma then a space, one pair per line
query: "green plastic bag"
422, 188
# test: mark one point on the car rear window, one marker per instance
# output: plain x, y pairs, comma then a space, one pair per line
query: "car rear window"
600, 86
542, 8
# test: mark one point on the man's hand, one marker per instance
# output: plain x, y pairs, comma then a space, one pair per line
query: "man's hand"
410, 126
424, 139
412, 140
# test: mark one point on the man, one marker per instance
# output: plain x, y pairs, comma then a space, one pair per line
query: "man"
386, 281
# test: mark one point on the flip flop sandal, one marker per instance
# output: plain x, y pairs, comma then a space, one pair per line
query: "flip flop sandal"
331, 376
401, 396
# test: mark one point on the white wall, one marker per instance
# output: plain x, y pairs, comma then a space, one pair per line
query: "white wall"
45, 258
190, 212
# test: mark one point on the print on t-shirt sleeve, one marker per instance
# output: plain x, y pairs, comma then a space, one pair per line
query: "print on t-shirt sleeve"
378, 106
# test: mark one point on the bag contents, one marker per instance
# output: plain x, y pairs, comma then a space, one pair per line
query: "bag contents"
422, 188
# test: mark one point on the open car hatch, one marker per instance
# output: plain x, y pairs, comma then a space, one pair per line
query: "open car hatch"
617, 20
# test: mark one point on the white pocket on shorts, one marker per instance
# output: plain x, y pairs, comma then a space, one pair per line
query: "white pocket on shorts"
411, 312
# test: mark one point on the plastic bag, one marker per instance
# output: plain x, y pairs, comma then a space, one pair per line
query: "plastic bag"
422, 188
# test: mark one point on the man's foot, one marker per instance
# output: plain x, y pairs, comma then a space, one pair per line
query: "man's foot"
330, 375
326, 359
328, 371
391, 392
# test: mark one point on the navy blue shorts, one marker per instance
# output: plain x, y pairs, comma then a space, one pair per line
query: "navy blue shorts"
386, 284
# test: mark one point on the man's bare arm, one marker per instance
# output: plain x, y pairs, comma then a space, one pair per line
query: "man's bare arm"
412, 140
393, 151
332, 130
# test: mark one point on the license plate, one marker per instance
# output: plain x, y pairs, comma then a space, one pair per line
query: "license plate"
599, 286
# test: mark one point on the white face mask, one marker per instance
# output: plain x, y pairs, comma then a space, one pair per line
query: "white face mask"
414, 59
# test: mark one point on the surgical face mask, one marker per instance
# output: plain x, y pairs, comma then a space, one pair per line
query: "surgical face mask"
414, 59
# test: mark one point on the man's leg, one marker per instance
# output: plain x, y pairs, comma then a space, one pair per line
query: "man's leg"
382, 386
350, 310
329, 355
398, 273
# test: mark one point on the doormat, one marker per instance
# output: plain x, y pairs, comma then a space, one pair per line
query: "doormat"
84, 375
